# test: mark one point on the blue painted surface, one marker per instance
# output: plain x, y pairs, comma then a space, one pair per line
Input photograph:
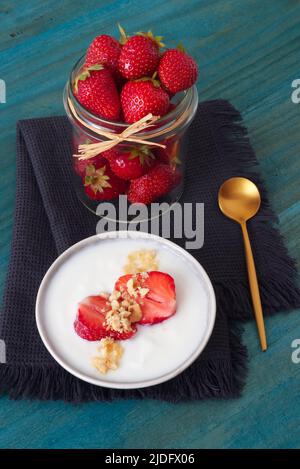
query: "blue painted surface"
248, 52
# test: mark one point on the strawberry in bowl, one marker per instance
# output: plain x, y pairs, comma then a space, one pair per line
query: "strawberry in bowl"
145, 298
155, 293
91, 320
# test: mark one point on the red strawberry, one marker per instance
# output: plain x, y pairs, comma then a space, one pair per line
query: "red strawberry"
130, 163
104, 50
96, 90
80, 165
177, 71
100, 183
157, 182
139, 98
159, 303
139, 55
90, 320
89, 323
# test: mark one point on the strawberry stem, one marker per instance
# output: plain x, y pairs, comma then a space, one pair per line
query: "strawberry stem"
150, 35
97, 179
142, 152
181, 47
123, 36
85, 73
154, 80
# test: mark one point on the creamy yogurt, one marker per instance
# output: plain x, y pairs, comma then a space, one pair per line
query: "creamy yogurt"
155, 350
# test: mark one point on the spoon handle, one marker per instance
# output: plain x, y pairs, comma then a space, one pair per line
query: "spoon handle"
254, 289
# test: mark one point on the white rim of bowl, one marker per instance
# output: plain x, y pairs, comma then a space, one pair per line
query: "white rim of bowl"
137, 384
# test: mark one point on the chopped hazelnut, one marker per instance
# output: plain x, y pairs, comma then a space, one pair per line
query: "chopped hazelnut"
111, 353
115, 304
130, 287
143, 291
141, 261
136, 312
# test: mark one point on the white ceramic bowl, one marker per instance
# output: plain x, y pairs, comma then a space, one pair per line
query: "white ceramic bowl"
156, 353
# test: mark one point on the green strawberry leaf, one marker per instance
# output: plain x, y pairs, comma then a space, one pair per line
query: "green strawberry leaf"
143, 153
88, 180
95, 67
150, 35
85, 73
123, 36
144, 79
90, 170
181, 47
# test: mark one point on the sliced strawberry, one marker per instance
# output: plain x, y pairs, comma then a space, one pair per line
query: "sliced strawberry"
90, 320
89, 323
86, 332
160, 301
123, 335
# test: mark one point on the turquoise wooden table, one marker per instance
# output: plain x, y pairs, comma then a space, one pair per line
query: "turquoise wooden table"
248, 52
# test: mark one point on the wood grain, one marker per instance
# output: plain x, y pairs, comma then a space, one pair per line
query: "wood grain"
248, 52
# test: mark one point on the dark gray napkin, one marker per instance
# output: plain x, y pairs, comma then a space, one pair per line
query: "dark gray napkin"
49, 218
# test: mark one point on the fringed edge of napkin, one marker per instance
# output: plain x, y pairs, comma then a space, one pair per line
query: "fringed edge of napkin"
219, 379
277, 294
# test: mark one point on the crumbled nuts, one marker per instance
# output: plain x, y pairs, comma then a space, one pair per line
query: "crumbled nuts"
111, 353
115, 304
114, 296
104, 294
141, 261
125, 303
136, 313
123, 312
133, 290
131, 287
118, 321
143, 291
144, 275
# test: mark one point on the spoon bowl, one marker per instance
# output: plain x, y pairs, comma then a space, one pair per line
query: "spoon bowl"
239, 199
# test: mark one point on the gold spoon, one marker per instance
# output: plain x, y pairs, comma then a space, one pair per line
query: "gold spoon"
239, 199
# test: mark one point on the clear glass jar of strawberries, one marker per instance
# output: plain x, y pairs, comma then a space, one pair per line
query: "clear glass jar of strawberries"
130, 103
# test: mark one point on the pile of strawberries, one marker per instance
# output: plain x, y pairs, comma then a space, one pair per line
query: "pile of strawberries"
124, 81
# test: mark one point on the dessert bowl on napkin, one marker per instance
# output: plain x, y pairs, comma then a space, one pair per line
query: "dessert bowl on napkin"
156, 352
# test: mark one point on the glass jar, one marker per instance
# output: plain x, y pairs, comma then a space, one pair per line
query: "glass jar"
169, 130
